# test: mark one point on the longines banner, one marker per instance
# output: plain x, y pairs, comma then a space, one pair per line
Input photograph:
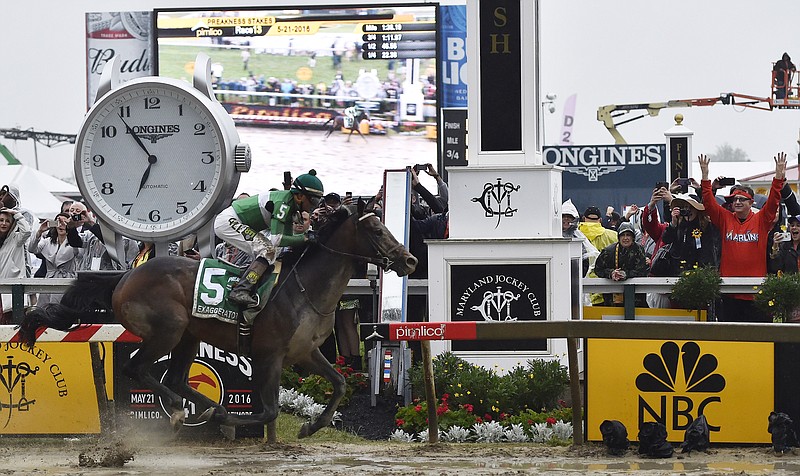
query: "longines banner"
47, 390
673, 382
499, 293
602, 175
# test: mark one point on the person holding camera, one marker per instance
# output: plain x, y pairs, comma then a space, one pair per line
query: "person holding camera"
694, 241
61, 259
14, 233
744, 237
784, 255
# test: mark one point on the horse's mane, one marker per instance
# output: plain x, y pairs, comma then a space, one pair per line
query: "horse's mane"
324, 228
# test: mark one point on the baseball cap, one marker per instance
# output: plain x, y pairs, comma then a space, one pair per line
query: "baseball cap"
625, 228
794, 217
592, 212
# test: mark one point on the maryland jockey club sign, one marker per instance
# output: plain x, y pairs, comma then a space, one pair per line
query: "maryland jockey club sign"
616, 175
499, 293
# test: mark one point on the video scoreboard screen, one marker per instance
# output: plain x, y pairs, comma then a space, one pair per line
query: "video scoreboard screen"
398, 40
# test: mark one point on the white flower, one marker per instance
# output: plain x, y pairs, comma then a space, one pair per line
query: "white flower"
400, 435
515, 434
488, 432
456, 434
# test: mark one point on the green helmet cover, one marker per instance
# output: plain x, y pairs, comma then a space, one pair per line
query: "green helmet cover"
308, 184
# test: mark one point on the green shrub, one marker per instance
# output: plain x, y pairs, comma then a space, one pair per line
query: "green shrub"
486, 395
319, 388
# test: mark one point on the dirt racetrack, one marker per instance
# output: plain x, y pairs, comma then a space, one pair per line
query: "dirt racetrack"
175, 457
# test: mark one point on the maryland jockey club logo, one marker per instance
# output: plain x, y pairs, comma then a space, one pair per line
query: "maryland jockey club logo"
496, 199
13, 377
679, 374
496, 305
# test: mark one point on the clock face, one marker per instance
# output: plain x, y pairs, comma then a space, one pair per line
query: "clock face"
150, 159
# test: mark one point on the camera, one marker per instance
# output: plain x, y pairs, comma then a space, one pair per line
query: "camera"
726, 181
419, 167
685, 213
76, 217
662, 184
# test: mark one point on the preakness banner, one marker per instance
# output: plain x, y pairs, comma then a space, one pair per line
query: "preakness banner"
603, 175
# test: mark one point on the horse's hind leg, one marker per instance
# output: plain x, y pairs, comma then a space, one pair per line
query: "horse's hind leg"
177, 377
318, 364
138, 369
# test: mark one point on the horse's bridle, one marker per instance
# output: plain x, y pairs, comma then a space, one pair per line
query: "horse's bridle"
383, 261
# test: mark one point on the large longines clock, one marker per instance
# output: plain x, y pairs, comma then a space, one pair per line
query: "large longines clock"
157, 158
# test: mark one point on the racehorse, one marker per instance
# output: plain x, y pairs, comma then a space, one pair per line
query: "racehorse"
154, 302
337, 122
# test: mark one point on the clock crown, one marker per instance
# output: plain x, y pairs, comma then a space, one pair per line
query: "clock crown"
242, 158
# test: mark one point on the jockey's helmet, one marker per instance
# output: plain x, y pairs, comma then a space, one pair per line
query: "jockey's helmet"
308, 184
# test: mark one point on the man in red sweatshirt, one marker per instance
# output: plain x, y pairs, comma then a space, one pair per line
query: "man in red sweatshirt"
744, 238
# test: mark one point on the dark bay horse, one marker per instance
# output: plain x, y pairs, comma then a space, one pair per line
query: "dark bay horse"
154, 302
336, 123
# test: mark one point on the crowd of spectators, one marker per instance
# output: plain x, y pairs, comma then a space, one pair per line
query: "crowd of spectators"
686, 225
72, 241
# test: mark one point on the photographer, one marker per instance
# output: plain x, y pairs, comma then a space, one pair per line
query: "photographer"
694, 240
785, 251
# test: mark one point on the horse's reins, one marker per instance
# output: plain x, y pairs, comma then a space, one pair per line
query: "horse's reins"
383, 261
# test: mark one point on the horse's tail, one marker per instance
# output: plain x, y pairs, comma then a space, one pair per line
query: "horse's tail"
328, 121
87, 301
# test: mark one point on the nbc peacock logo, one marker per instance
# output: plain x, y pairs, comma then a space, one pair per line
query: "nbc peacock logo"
678, 384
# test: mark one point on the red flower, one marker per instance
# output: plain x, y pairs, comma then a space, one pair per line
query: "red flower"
562, 403
478, 419
468, 407
340, 360
551, 421
445, 397
530, 422
399, 422
441, 409
418, 408
503, 416
487, 417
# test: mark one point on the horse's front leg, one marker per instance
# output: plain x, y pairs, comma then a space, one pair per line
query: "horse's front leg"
317, 364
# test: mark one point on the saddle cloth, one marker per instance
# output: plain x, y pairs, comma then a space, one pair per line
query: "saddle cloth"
215, 279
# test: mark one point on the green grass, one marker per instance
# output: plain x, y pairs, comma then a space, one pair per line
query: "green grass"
288, 426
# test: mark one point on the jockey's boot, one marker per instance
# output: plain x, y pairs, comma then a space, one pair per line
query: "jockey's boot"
243, 293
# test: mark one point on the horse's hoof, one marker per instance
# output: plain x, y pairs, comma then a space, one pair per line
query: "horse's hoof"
305, 430
228, 431
176, 419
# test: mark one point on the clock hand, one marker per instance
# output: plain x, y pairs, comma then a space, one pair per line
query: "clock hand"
152, 159
135, 136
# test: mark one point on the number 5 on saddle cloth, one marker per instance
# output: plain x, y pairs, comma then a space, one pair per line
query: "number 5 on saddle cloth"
215, 279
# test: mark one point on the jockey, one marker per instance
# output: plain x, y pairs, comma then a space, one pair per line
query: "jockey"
260, 224
350, 117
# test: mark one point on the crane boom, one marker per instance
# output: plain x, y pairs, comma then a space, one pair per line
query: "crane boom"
610, 115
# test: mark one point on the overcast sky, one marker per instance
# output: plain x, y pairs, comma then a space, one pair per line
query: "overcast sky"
606, 52
633, 51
